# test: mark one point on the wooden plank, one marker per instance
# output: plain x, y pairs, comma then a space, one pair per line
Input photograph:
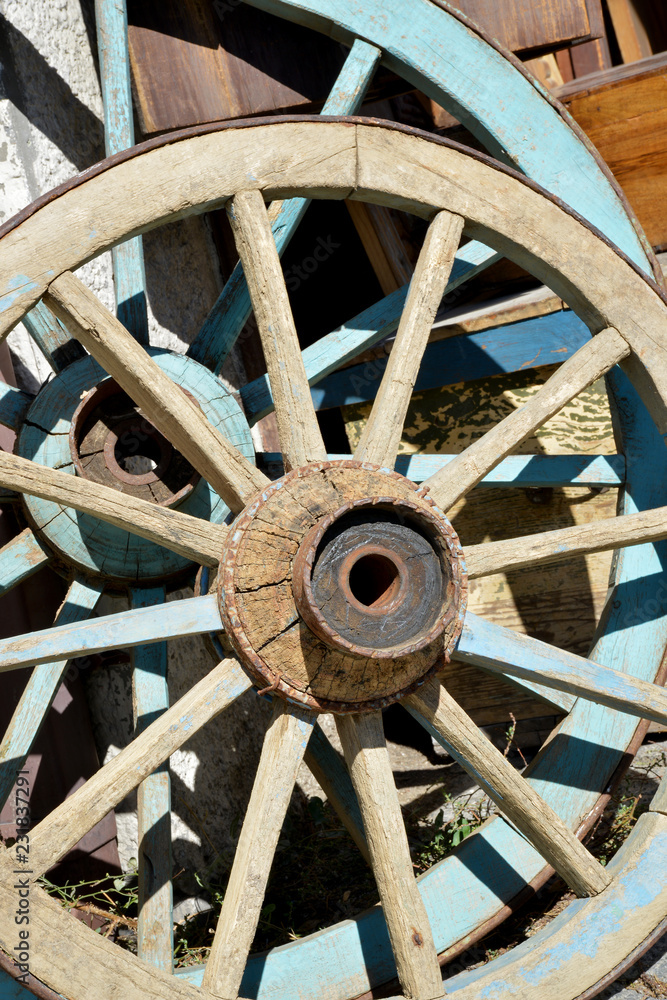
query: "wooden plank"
282, 752
230, 313
155, 924
382, 244
14, 405
40, 690
410, 934
507, 652
53, 340
361, 332
526, 26
588, 364
192, 616
300, 435
20, 558
190, 536
548, 546
171, 411
630, 33
382, 433
53, 837
517, 800
128, 259
514, 470
622, 110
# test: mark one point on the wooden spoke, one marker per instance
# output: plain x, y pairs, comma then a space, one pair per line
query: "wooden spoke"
51, 839
40, 690
14, 405
590, 362
129, 628
284, 746
155, 925
382, 434
509, 653
174, 414
230, 313
20, 557
582, 539
513, 795
53, 340
404, 911
189, 536
300, 436
363, 331
329, 770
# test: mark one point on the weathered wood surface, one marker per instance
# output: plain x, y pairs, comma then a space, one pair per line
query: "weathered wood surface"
507, 652
230, 312
382, 434
189, 536
615, 533
20, 558
411, 938
383, 246
514, 796
587, 365
128, 259
300, 435
170, 410
629, 30
192, 616
53, 837
525, 27
150, 697
622, 111
40, 691
284, 745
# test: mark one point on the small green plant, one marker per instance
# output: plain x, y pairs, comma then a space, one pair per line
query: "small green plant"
112, 899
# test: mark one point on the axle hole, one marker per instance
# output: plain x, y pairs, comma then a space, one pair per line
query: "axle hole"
374, 581
136, 452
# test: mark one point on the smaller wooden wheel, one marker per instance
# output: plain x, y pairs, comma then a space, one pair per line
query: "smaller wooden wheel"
342, 586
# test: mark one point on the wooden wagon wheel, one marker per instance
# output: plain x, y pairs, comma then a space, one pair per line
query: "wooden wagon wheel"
308, 649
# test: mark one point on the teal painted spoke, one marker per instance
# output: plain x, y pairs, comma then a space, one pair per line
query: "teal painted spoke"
20, 558
128, 260
511, 654
14, 405
330, 770
53, 340
230, 313
155, 930
516, 470
40, 691
359, 334
129, 628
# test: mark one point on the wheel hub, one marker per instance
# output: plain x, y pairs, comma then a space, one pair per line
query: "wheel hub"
352, 577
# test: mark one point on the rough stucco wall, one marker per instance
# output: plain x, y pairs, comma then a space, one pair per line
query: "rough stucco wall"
50, 129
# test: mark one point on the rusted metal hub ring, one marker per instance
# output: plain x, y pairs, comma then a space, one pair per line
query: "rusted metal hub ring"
375, 578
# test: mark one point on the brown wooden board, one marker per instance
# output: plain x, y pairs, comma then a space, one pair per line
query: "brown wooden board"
194, 61
624, 112
530, 26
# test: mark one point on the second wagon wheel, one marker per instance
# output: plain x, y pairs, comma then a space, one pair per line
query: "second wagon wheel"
342, 586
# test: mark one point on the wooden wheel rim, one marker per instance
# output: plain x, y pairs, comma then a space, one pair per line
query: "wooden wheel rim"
364, 175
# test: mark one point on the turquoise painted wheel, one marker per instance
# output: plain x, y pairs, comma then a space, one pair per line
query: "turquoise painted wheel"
289, 639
